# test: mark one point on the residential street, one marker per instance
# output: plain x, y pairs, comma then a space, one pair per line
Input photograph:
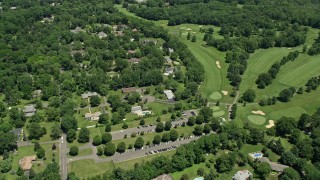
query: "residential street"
63, 157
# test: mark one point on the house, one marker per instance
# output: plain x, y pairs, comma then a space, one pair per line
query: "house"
77, 30
93, 116
134, 60
88, 95
136, 109
171, 50
242, 175
102, 35
131, 51
37, 93
128, 90
169, 94
26, 162
163, 177
119, 33
168, 60
29, 110
17, 133
274, 166
148, 41
168, 71
13, 8
141, 1
134, 30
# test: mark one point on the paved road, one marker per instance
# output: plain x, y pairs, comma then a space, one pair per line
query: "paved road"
150, 128
63, 157
132, 154
28, 143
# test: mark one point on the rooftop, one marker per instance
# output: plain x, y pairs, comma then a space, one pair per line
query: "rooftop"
136, 108
102, 35
163, 177
26, 162
134, 60
242, 175
88, 94
274, 166
128, 90
29, 108
169, 94
93, 116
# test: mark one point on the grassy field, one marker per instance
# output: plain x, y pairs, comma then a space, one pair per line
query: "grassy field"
88, 168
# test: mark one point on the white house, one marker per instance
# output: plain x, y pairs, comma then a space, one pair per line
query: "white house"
92, 116
169, 94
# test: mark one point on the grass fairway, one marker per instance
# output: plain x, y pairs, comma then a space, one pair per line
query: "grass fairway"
218, 113
255, 119
260, 62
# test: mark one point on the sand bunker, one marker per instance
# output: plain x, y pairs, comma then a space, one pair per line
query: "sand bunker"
188, 29
225, 93
271, 124
259, 112
218, 64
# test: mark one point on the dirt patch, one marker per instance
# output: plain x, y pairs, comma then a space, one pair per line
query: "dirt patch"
218, 64
259, 112
225, 93
271, 124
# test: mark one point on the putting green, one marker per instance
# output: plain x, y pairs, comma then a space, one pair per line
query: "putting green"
215, 108
255, 119
215, 95
218, 113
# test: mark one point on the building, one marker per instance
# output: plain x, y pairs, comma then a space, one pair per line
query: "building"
131, 51
37, 93
168, 60
88, 95
26, 162
128, 90
102, 35
134, 60
77, 30
274, 166
17, 133
148, 41
242, 175
163, 177
168, 71
169, 94
171, 50
136, 109
29, 110
93, 116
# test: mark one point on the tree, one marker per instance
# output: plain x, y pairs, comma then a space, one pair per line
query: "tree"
121, 147
106, 137
188, 36
84, 135
184, 177
165, 137
5, 165
41, 153
159, 127
263, 169
103, 118
71, 135
288, 158
109, 149
174, 135
108, 127
285, 125
95, 101
249, 95
194, 38
286, 94
191, 121
142, 122
225, 163
72, 176
35, 131
96, 140
68, 122
133, 98
207, 129
74, 150
167, 125
7, 142
55, 131
139, 143
290, 173
125, 126
156, 139
198, 131
19, 171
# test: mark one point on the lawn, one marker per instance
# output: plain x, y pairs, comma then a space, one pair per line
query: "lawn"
88, 168
39, 165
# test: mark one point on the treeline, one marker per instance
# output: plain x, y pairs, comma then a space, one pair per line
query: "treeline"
265, 79
238, 64
315, 48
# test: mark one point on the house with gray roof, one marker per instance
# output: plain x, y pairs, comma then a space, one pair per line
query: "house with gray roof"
274, 166
168, 71
29, 110
242, 175
169, 94
101, 35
